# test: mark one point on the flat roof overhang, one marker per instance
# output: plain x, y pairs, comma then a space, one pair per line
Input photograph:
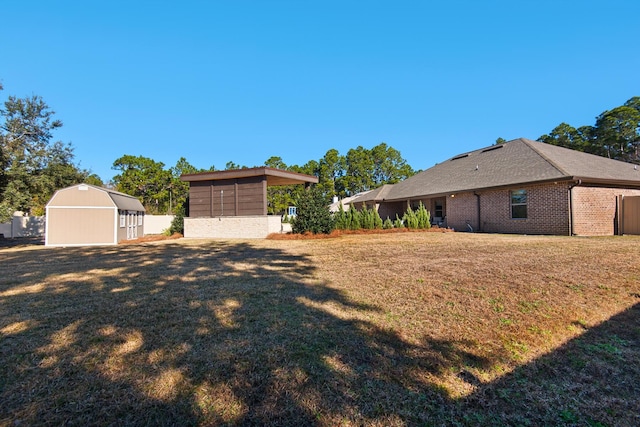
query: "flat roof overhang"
273, 176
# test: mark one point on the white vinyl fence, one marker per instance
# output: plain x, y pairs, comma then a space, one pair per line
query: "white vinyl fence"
34, 226
23, 226
157, 224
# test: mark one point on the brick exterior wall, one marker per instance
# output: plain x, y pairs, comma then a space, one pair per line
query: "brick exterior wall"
233, 227
595, 210
548, 205
460, 209
547, 211
389, 210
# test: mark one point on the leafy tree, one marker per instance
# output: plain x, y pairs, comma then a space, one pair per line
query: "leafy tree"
616, 134
276, 163
313, 213
331, 169
567, 136
232, 166
179, 190
279, 197
368, 169
31, 166
359, 174
94, 179
388, 165
145, 179
500, 141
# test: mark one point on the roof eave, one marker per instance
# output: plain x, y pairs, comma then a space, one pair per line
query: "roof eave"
495, 187
280, 175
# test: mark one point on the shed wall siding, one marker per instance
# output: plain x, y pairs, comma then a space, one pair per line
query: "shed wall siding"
80, 226
200, 199
74, 197
231, 197
595, 210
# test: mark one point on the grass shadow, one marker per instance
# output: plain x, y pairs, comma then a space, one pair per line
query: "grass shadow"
215, 333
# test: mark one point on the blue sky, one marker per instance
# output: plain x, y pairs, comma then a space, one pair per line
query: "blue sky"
219, 81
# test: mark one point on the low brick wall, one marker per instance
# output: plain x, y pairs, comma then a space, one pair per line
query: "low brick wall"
233, 227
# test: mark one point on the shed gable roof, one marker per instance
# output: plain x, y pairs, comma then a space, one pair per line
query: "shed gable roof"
520, 161
120, 200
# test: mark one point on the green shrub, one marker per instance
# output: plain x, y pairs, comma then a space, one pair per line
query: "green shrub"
177, 224
387, 224
410, 219
368, 222
424, 217
377, 221
340, 219
355, 218
313, 214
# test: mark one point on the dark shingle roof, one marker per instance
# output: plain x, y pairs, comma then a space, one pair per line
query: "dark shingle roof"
379, 193
520, 161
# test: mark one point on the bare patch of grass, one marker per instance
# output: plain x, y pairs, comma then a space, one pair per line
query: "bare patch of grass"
374, 329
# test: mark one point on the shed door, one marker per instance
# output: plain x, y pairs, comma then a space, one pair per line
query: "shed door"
132, 225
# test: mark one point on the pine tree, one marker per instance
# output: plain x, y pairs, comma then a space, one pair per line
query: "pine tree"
313, 214
387, 224
423, 217
356, 218
377, 221
340, 218
410, 219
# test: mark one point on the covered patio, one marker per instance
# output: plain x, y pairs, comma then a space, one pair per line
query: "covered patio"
233, 203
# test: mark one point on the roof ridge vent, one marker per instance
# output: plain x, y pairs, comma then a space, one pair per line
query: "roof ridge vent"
493, 147
461, 156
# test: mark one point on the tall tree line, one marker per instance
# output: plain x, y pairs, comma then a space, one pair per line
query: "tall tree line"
161, 191
615, 134
32, 165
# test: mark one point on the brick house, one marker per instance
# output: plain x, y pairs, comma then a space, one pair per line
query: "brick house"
521, 186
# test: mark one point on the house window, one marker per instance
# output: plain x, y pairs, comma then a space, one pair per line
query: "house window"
123, 219
292, 211
140, 218
438, 210
519, 204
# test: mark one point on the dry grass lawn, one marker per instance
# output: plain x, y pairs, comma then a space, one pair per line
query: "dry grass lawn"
390, 329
